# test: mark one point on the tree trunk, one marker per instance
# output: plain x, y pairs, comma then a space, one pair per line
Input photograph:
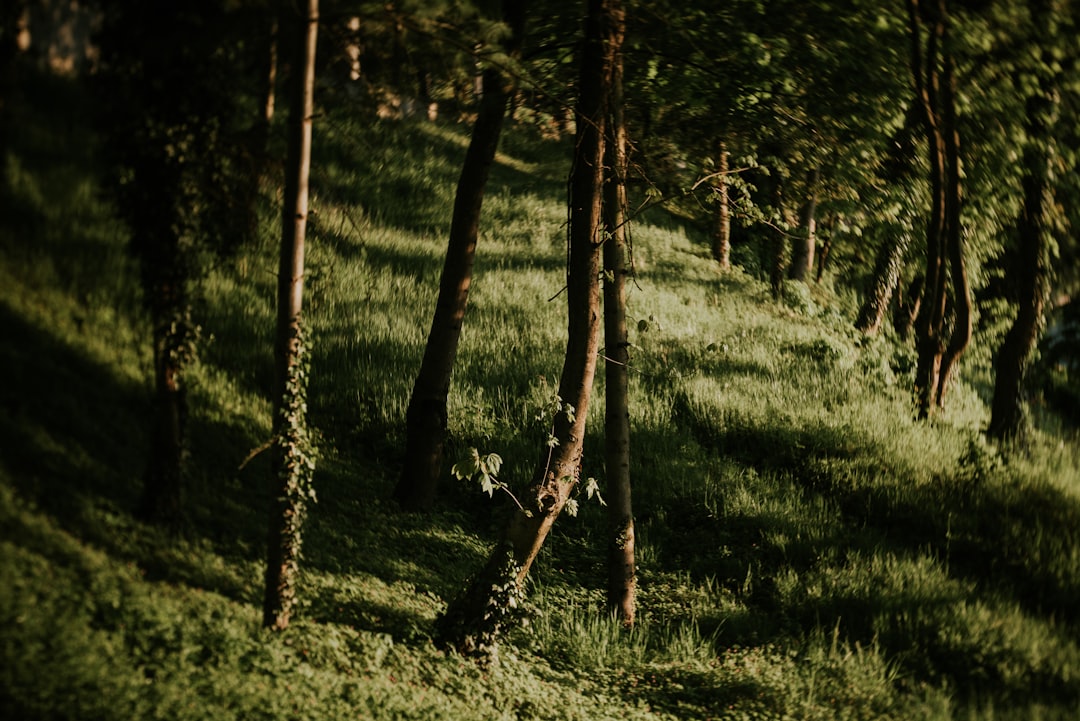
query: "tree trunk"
887, 269
621, 593
929, 326
907, 308
803, 246
961, 290
780, 241
426, 418
1008, 417
826, 248
473, 621
162, 498
292, 461
722, 234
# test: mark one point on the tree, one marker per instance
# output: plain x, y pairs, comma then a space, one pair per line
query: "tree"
622, 580
935, 89
174, 129
721, 249
474, 620
1034, 226
294, 460
804, 244
426, 418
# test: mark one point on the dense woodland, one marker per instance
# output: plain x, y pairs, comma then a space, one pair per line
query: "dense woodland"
535, 359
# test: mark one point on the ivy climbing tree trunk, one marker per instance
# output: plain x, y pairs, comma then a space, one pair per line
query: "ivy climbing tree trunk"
622, 580
426, 417
475, 619
293, 460
166, 282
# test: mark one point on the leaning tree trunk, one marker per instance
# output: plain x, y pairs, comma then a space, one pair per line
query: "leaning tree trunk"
293, 461
803, 246
722, 234
1007, 415
887, 270
929, 326
622, 581
426, 417
473, 621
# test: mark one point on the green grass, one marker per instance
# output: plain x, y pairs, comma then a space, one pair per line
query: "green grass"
806, 549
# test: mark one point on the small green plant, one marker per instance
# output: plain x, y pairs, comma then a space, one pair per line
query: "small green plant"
484, 470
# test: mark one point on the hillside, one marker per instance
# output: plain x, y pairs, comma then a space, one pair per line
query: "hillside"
806, 550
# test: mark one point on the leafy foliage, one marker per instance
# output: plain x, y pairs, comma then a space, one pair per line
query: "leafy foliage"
805, 549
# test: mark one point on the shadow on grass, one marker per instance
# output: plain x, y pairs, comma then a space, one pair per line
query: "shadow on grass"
71, 428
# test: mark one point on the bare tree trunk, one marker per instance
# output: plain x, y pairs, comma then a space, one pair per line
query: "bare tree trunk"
622, 581
887, 269
779, 243
961, 291
473, 622
292, 462
930, 322
826, 248
426, 418
804, 246
722, 234
907, 308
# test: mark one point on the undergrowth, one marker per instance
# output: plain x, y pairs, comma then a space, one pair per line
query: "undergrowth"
806, 549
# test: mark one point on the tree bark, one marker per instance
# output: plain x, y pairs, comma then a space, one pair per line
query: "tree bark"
426, 417
290, 486
929, 325
1008, 420
722, 234
474, 620
887, 269
804, 246
622, 581
961, 290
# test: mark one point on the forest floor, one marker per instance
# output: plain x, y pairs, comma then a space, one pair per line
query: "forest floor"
806, 548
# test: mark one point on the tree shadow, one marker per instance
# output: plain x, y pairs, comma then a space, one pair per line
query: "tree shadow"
71, 425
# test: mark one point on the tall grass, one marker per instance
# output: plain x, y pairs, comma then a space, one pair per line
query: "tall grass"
806, 548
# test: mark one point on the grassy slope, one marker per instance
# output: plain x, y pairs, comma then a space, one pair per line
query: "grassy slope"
806, 550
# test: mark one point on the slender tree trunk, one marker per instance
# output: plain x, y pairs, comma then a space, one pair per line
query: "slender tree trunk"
907, 308
804, 246
1008, 418
929, 326
722, 234
291, 482
474, 620
826, 248
622, 581
780, 242
961, 291
426, 418
887, 269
